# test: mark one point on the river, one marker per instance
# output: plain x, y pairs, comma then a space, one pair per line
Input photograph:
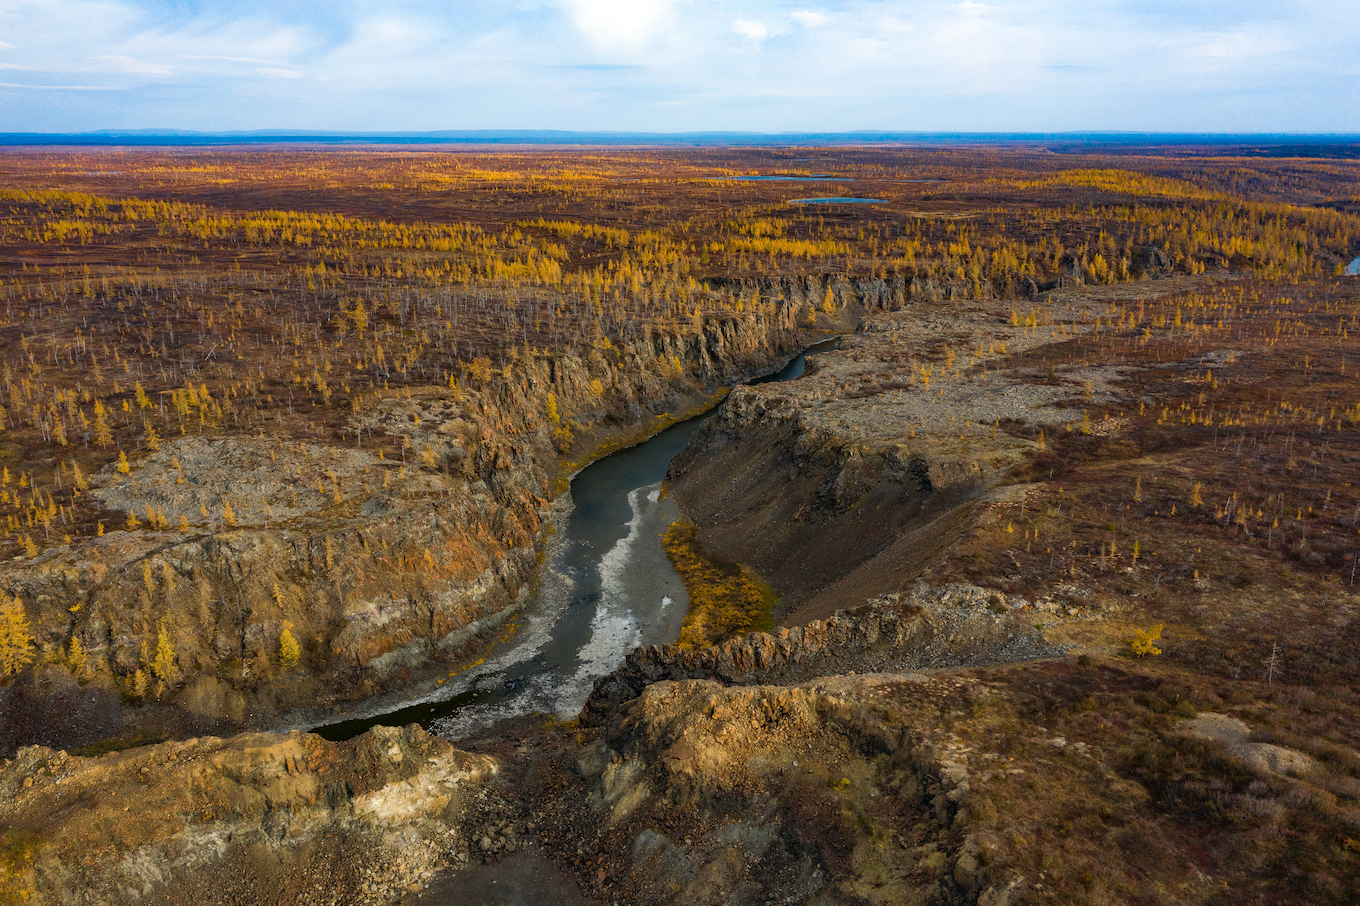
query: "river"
606, 587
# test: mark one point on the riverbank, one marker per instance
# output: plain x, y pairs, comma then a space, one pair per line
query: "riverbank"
391, 562
604, 588
853, 482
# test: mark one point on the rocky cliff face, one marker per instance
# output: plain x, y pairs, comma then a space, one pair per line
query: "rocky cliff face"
820, 792
841, 790
953, 626
851, 481
383, 560
817, 764
255, 818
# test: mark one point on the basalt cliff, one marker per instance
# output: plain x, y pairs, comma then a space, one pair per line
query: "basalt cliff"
386, 562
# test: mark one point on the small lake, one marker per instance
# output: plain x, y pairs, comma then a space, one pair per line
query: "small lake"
1354, 268
837, 201
606, 586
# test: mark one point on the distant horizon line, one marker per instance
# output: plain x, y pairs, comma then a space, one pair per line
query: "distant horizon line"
698, 138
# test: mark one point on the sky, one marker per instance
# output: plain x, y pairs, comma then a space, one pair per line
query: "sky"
681, 65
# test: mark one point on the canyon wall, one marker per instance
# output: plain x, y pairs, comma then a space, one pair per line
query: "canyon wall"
385, 561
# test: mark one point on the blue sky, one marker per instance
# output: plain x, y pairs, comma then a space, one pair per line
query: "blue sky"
680, 65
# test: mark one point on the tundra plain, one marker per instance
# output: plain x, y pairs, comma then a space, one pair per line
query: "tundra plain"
1039, 588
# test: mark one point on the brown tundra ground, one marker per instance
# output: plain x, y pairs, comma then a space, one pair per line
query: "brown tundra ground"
1060, 543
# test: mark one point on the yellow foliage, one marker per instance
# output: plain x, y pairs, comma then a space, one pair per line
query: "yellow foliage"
16, 640
1143, 639
164, 667
289, 652
76, 658
724, 599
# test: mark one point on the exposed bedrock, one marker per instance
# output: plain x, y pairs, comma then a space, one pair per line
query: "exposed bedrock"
829, 791
255, 818
851, 481
382, 559
952, 626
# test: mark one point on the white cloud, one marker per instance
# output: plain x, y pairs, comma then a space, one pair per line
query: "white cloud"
1226, 46
210, 56
756, 31
618, 23
61, 87
682, 64
809, 19
136, 67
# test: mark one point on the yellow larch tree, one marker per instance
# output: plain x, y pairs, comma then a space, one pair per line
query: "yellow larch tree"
16, 639
163, 666
289, 651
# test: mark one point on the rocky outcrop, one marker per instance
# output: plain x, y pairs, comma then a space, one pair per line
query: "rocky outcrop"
1151, 262
383, 559
853, 480
953, 626
253, 818
833, 791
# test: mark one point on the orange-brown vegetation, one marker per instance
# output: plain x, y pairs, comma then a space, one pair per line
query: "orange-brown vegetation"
157, 294
303, 304
725, 599
1212, 495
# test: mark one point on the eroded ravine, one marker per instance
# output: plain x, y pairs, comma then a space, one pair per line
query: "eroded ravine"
606, 588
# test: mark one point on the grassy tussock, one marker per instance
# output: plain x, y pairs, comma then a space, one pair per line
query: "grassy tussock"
725, 599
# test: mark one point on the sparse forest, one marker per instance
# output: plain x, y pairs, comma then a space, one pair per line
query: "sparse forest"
282, 430
161, 294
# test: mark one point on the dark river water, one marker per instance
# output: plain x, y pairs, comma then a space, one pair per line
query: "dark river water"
606, 587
